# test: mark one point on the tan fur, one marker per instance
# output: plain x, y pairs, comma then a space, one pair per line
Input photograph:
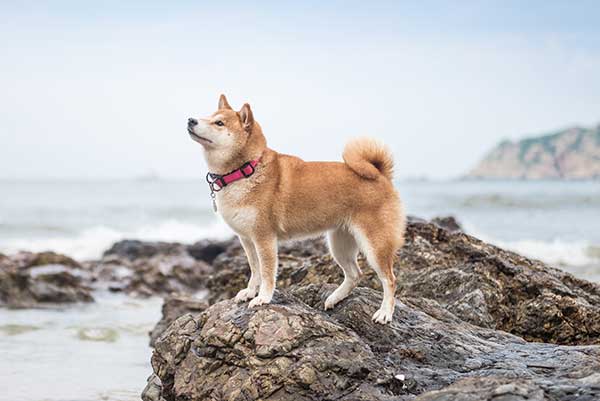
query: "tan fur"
354, 202
369, 158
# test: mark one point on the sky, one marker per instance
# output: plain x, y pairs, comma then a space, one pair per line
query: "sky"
102, 90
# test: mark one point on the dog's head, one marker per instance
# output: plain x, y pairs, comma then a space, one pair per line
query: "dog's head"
226, 132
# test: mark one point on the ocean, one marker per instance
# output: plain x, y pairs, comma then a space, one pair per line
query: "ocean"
554, 221
100, 351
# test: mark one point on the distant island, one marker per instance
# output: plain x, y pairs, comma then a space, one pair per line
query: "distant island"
573, 153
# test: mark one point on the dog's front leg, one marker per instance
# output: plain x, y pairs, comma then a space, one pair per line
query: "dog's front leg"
254, 282
266, 249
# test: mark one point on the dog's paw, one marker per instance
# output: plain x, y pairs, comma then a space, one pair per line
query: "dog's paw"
245, 294
332, 301
383, 316
259, 300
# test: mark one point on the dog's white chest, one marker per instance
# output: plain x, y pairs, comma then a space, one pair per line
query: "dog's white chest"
241, 219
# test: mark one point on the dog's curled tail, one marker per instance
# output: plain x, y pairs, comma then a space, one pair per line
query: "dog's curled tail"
369, 158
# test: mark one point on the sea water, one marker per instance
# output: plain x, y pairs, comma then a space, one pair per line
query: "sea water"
100, 351
96, 351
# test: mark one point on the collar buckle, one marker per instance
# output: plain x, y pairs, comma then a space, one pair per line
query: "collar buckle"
215, 182
243, 169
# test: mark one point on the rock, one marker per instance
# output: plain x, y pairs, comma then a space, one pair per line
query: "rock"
293, 350
135, 249
507, 389
160, 274
478, 282
24, 260
173, 307
494, 288
29, 280
448, 222
153, 389
208, 250
143, 268
299, 262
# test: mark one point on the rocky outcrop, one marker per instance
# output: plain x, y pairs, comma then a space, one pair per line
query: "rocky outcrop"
478, 282
204, 250
504, 388
143, 268
173, 307
573, 153
293, 350
490, 287
208, 250
448, 222
137, 268
135, 249
29, 280
458, 299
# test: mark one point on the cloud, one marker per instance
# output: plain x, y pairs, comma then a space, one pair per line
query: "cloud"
108, 95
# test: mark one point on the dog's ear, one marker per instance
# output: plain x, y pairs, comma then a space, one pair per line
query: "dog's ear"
246, 117
223, 103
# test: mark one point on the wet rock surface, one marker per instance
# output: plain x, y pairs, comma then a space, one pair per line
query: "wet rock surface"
293, 350
490, 287
478, 282
459, 300
29, 280
306, 262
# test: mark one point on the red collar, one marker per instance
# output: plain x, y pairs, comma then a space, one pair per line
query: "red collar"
217, 182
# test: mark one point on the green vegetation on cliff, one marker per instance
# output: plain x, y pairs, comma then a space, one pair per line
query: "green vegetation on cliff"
573, 153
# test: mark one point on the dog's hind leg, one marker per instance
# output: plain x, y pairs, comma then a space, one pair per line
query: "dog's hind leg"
383, 264
344, 250
379, 249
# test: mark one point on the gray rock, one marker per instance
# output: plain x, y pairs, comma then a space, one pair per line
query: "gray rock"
33, 280
208, 250
135, 249
293, 350
458, 299
490, 287
150, 268
448, 222
478, 282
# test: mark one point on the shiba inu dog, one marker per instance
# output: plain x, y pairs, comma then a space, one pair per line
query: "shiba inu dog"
266, 197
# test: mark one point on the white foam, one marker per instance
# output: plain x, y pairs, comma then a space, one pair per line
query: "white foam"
577, 257
91, 242
555, 252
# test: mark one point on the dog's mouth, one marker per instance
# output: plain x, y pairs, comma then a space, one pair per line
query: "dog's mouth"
196, 136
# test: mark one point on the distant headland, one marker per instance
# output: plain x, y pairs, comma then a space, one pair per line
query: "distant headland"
572, 153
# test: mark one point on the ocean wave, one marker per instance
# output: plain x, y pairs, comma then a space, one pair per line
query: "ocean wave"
555, 252
91, 242
33, 227
497, 200
580, 258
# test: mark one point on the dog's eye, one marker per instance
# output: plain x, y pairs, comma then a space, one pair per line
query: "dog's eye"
219, 123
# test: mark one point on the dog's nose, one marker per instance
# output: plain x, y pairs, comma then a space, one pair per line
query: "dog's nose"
192, 122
